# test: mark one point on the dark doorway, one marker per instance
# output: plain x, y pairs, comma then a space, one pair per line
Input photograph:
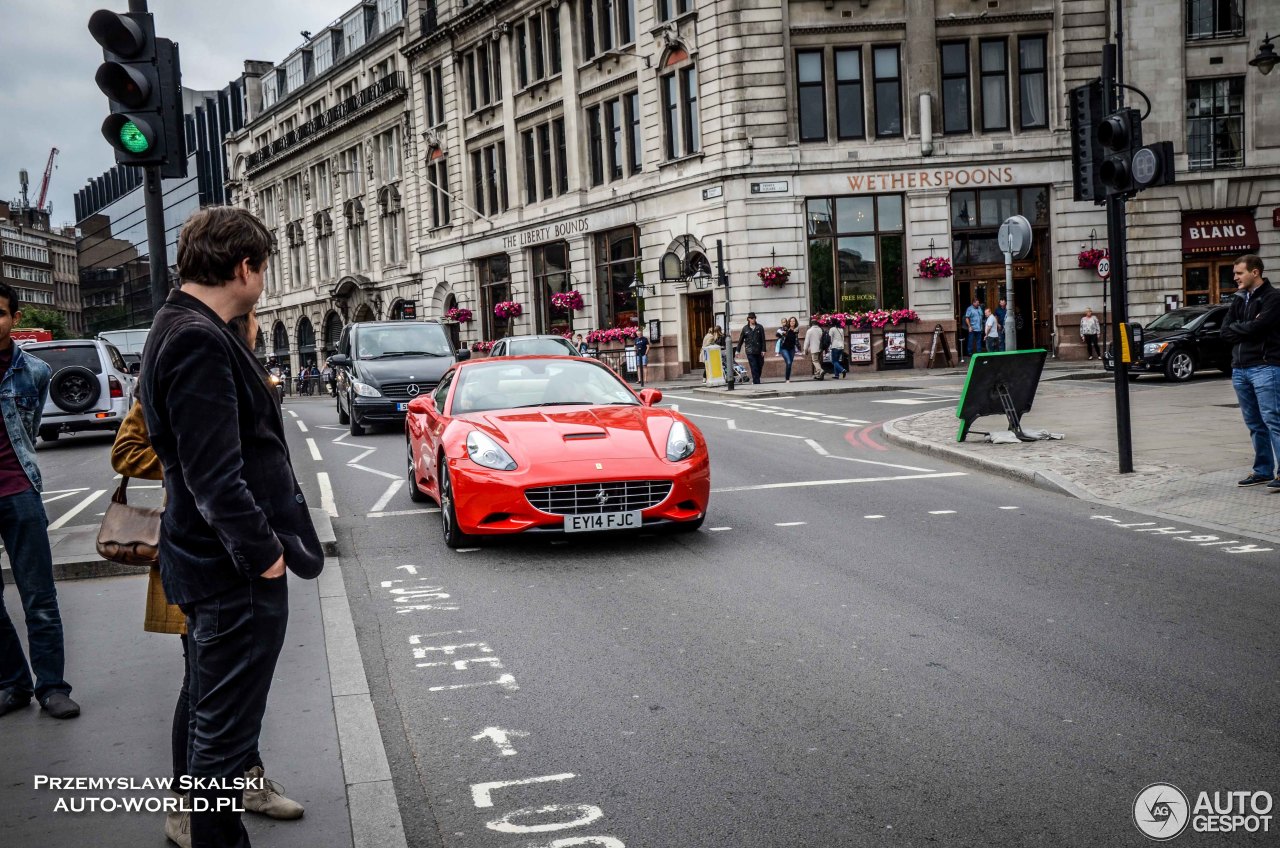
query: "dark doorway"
698, 319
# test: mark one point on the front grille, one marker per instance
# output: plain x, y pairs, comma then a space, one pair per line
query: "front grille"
595, 498
400, 391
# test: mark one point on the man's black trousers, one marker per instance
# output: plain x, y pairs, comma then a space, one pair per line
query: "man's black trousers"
235, 639
755, 361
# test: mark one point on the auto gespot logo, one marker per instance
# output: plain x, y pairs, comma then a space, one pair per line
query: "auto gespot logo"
1161, 811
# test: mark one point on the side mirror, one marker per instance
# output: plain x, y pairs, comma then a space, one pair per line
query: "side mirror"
464, 354
650, 397
340, 360
422, 404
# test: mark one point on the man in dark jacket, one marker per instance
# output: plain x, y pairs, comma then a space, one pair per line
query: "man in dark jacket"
752, 338
1253, 326
235, 516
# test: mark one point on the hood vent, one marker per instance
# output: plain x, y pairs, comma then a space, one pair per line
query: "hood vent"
573, 437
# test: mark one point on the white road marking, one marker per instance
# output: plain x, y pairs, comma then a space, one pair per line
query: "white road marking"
315, 451
942, 512
675, 407
331, 427
718, 529
712, 417
412, 569
326, 494
76, 510
387, 496
482, 793
506, 681
790, 523
467, 550
395, 512
301, 425
912, 401
821, 451
800, 484
767, 433
873, 516
886, 464
386, 474
64, 495
291, 412
81, 489
732, 425
1008, 507
501, 738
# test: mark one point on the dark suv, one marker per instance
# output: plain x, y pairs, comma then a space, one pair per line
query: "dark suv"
1181, 342
382, 365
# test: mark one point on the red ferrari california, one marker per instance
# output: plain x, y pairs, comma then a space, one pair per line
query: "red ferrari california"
552, 444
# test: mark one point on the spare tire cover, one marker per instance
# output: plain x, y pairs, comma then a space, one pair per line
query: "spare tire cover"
74, 389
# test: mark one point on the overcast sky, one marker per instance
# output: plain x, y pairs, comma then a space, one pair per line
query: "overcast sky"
47, 61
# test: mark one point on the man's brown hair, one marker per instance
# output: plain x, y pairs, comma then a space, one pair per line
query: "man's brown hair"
215, 240
1250, 261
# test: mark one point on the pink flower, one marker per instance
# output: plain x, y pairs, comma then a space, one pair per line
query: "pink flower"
507, 309
773, 275
459, 314
571, 299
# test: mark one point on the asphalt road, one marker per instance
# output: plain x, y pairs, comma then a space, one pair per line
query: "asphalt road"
862, 644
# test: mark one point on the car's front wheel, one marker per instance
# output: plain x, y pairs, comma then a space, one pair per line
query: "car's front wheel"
415, 493
453, 536
342, 415
1180, 366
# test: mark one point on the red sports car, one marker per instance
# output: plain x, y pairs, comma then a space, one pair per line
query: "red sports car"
558, 444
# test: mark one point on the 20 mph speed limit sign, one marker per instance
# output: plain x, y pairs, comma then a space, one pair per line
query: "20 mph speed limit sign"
1104, 268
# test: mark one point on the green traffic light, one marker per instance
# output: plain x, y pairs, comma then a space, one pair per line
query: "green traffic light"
133, 138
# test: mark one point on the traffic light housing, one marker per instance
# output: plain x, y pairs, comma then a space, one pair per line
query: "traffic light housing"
141, 78
1086, 151
1120, 135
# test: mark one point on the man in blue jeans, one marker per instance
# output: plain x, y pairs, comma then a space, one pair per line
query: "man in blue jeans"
25, 530
973, 320
1253, 326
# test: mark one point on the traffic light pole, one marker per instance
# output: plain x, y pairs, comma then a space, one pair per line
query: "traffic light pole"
157, 250
1113, 97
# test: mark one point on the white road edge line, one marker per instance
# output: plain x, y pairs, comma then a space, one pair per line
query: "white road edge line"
386, 474
942, 512
392, 513
315, 451
885, 464
790, 523
301, 425
800, 484
821, 451
873, 516
291, 412
387, 496
76, 510
326, 494
61, 496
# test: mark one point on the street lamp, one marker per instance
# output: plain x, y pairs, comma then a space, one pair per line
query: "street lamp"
1266, 58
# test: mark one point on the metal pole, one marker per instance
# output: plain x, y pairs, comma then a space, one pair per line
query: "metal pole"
1010, 316
1114, 99
157, 253
723, 279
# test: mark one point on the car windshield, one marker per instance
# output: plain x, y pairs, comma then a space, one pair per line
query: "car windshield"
404, 340
58, 357
1178, 319
541, 347
538, 382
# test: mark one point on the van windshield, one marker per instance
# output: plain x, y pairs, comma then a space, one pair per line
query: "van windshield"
386, 342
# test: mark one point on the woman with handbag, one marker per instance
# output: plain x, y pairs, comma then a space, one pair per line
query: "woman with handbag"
133, 456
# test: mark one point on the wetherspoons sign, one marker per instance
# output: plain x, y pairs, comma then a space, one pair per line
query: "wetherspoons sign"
538, 235
935, 178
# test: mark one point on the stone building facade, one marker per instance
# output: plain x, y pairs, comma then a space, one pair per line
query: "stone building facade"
621, 148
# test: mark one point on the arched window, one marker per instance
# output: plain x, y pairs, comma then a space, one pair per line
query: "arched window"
280, 342
681, 125
306, 342
332, 331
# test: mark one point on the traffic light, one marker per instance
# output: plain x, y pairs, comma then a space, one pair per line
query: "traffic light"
1086, 150
1120, 135
141, 77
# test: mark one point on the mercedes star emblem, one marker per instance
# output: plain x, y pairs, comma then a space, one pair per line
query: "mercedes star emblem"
413, 390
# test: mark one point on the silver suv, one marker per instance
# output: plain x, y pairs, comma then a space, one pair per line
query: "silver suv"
91, 387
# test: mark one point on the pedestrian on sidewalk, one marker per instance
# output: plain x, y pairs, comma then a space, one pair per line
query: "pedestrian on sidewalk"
24, 527
813, 348
991, 331
788, 343
1253, 327
1001, 312
235, 516
973, 321
836, 333
327, 376
752, 339
1089, 331
642, 356
133, 456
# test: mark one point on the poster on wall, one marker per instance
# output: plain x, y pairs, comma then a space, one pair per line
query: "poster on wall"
895, 346
860, 348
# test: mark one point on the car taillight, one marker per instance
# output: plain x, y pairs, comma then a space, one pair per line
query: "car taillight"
117, 391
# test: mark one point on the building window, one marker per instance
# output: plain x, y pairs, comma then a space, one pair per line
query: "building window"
850, 122
530, 167
489, 176
392, 226
494, 273
888, 82
433, 89
321, 191
1215, 123
353, 172
856, 253
538, 47
1214, 18
293, 191
613, 140
389, 13
357, 236
297, 254
388, 147
522, 55
553, 39
438, 173
550, 276
324, 245
547, 173
606, 24
668, 9
616, 254
613, 136
955, 88
470, 64
484, 78
994, 72
636, 139
562, 161
812, 96
976, 217
680, 112
1032, 82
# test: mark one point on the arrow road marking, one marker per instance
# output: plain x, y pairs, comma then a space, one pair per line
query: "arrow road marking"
412, 569
501, 738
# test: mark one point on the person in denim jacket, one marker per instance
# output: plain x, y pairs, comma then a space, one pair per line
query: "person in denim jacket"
25, 530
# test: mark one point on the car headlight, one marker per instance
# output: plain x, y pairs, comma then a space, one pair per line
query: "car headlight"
1154, 348
680, 443
488, 453
364, 389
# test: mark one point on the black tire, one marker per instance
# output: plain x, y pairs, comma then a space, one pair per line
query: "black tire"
415, 494
453, 537
342, 415
74, 389
1180, 366
49, 434
355, 428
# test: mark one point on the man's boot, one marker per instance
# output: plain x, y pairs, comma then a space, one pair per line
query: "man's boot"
177, 825
266, 798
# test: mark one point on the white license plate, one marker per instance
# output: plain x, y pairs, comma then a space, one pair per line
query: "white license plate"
402, 407
603, 521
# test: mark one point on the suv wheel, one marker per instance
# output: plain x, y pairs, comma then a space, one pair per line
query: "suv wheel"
1180, 366
74, 389
355, 429
342, 416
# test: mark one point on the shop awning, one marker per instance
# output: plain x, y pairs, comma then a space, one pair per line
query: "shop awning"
1232, 232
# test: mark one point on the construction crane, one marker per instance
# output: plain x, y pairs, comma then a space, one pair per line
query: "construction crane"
44, 184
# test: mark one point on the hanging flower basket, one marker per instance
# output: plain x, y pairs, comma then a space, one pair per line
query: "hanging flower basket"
508, 309
872, 319
1091, 257
481, 347
571, 299
935, 267
903, 316
773, 275
614, 334
459, 314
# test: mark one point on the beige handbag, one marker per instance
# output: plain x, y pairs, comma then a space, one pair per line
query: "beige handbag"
129, 535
